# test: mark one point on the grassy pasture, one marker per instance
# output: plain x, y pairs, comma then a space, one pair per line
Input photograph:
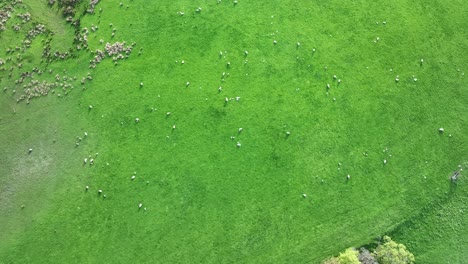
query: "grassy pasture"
209, 201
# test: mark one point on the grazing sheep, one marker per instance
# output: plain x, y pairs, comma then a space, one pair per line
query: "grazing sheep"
304, 195
348, 177
455, 176
238, 144
133, 177
137, 120
441, 130
140, 205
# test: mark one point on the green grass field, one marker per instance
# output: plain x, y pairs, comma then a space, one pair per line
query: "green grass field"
206, 200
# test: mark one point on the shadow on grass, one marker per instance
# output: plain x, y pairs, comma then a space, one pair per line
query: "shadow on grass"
416, 219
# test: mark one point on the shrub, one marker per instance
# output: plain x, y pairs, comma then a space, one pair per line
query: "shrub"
350, 256
391, 252
365, 257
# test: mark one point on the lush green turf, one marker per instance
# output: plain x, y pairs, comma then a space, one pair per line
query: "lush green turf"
438, 233
209, 201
